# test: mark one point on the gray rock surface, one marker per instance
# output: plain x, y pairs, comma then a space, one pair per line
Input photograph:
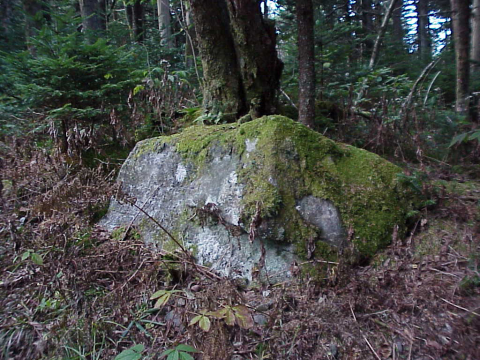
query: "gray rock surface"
207, 184
169, 189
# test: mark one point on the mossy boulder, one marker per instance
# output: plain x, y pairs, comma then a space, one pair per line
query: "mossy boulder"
302, 195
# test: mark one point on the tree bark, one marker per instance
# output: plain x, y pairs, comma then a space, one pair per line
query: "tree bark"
460, 22
398, 32
164, 20
306, 63
240, 63
93, 14
423, 31
475, 55
190, 45
367, 23
138, 15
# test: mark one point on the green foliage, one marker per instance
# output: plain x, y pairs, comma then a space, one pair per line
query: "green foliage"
133, 353
180, 352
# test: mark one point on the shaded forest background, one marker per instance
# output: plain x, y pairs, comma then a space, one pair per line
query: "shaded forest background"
82, 81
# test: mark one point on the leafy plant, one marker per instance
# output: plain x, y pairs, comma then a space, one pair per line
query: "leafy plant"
163, 296
133, 353
203, 321
180, 352
36, 258
232, 315
465, 137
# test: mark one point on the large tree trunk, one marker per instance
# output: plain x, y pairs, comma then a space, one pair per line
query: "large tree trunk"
423, 31
240, 63
475, 57
138, 15
398, 32
306, 63
367, 23
460, 22
93, 14
164, 19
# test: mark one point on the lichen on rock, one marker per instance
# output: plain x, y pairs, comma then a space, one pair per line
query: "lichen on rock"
314, 196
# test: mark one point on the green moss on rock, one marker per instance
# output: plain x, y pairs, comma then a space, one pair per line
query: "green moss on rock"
282, 162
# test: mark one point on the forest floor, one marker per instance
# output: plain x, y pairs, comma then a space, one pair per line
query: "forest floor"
70, 290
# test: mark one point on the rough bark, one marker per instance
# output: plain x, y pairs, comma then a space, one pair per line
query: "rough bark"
460, 22
475, 55
306, 63
239, 57
398, 32
423, 31
93, 15
138, 15
222, 90
164, 20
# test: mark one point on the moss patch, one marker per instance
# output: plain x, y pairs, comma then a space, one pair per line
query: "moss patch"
282, 162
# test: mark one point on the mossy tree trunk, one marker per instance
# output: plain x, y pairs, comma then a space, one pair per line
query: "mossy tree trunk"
240, 62
306, 63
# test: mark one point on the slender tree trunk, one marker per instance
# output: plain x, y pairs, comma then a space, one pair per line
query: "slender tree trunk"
190, 46
93, 14
460, 21
138, 15
240, 63
164, 19
398, 32
475, 57
381, 34
265, 9
306, 63
423, 31
378, 41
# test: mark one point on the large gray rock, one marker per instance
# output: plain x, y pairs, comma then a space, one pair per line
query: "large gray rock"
208, 184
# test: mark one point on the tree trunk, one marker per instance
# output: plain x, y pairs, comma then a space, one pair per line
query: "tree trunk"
306, 63
93, 14
398, 32
460, 22
475, 57
423, 31
239, 57
164, 19
6, 19
367, 23
378, 41
138, 15
190, 46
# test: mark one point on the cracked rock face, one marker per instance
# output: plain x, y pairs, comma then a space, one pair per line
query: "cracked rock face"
208, 185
